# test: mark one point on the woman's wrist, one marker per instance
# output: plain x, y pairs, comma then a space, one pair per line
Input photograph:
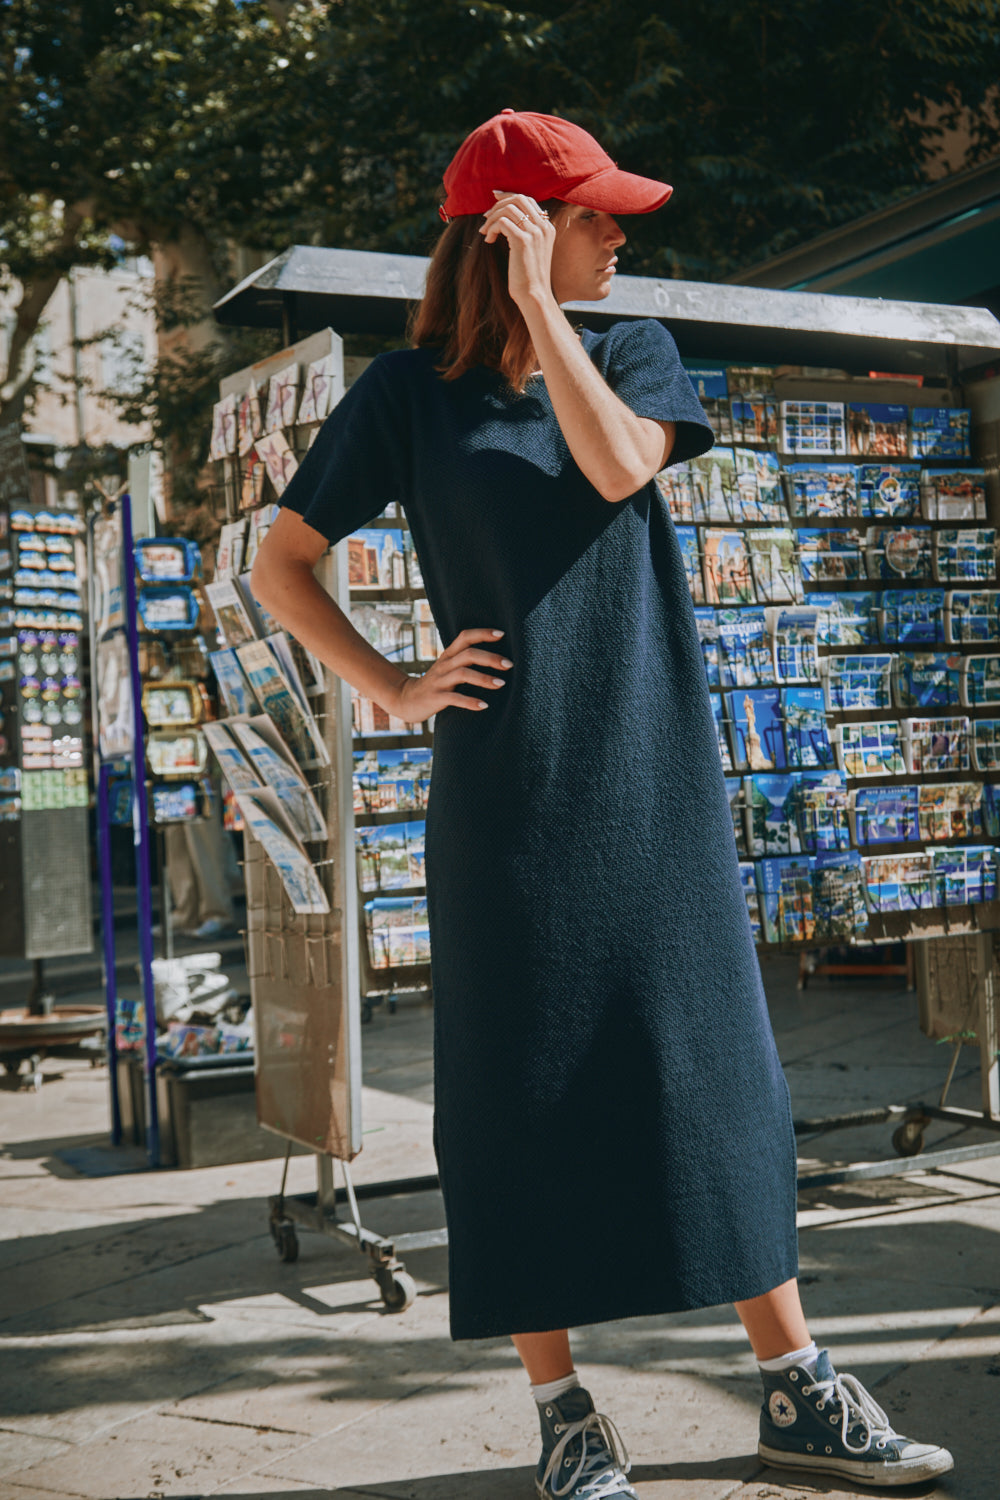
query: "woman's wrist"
390, 695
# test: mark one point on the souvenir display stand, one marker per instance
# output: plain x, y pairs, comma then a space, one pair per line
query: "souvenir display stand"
288, 744
45, 910
841, 549
179, 1090
120, 752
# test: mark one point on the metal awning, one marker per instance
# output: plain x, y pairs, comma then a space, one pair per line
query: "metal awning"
942, 242
360, 291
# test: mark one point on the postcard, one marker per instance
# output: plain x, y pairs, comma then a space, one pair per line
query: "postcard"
876, 428
322, 388
265, 751
889, 490
236, 693
279, 460
249, 425
774, 564
231, 614
282, 398
687, 539
239, 774
264, 823
817, 491
728, 579
939, 432
280, 701
223, 428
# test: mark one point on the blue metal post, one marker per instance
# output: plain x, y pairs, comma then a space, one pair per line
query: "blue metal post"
140, 824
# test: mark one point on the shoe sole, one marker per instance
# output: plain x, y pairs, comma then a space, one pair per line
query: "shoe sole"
887, 1473
544, 1494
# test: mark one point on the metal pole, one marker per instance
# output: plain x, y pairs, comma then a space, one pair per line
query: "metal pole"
988, 1027
108, 946
140, 824
166, 925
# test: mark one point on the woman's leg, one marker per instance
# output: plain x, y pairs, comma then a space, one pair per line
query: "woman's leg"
855, 1437
775, 1323
578, 1457
545, 1356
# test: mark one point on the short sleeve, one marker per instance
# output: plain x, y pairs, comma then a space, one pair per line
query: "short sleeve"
358, 461
644, 369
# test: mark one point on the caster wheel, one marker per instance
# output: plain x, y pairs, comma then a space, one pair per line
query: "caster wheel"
398, 1288
286, 1240
908, 1140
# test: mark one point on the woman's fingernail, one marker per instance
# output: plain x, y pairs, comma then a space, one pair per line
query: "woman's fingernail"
499, 681
498, 633
505, 663
481, 704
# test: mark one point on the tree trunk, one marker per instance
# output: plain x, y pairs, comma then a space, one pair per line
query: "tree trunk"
190, 343
35, 297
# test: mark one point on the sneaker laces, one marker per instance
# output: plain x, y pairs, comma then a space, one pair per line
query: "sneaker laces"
592, 1467
858, 1408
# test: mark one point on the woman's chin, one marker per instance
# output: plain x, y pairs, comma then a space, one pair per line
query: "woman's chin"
594, 292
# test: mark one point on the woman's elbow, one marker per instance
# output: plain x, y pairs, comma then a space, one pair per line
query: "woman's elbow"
260, 578
622, 486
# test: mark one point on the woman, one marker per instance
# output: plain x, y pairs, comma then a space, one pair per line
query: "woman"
612, 1125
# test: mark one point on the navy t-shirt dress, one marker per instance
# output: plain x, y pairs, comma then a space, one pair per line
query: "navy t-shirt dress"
612, 1125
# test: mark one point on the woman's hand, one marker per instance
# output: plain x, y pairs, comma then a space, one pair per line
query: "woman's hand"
420, 697
530, 237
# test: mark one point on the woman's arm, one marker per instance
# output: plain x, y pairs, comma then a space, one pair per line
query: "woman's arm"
286, 585
617, 450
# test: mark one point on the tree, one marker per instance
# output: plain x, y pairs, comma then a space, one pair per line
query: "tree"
153, 127
193, 126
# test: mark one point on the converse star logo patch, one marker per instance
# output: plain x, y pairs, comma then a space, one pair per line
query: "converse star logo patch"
782, 1409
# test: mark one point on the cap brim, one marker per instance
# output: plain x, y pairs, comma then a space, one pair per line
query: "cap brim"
617, 192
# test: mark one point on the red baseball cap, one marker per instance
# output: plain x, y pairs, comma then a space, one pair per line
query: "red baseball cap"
545, 157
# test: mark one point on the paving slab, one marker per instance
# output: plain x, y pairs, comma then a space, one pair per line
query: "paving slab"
19, 1449
156, 1453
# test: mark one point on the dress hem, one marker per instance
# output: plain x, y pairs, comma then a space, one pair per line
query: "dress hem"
581, 1317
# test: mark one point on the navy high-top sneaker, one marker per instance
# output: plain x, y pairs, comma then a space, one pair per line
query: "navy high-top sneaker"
583, 1456
830, 1422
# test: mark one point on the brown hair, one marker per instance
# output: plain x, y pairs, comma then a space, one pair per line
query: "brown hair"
467, 311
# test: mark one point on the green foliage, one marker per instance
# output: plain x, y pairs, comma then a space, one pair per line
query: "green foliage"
773, 121
260, 123
264, 124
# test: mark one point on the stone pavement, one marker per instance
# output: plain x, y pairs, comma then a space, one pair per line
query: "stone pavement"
153, 1345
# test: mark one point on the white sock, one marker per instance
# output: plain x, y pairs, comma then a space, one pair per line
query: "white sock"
553, 1389
807, 1356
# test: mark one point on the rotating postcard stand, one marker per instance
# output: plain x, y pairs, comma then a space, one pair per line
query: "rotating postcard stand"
120, 748
286, 742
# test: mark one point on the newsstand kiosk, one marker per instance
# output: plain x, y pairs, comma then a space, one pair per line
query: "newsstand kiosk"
835, 582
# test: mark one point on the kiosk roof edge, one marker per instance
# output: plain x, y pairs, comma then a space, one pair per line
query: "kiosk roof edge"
363, 291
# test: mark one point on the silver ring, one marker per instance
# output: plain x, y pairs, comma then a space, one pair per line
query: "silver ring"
524, 216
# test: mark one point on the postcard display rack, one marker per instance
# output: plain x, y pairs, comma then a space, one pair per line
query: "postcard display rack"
329, 791
120, 746
45, 909
841, 548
